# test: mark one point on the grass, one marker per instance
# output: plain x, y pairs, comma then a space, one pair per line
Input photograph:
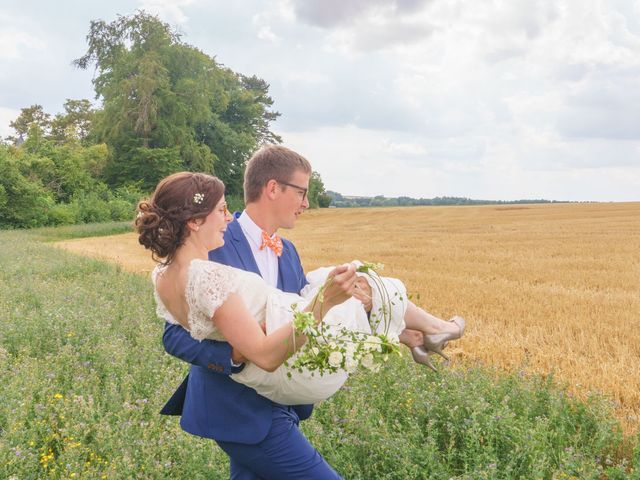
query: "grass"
83, 375
544, 288
53, 234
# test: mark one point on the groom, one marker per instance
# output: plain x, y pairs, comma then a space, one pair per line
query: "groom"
261, 437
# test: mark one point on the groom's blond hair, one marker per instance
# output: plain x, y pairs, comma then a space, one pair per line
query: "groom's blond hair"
271, 162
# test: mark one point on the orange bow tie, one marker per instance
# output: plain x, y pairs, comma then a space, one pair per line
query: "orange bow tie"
274, 243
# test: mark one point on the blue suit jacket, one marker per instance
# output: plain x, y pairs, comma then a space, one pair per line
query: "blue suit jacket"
212, 405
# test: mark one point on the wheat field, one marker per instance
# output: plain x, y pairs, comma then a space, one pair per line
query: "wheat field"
547, 289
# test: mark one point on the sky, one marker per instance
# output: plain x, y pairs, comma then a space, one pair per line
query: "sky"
497, 100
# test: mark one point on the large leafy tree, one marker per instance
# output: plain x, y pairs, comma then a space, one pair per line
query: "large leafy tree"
161, 94
74, 125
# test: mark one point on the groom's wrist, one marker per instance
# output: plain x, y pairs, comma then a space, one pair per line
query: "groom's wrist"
236, 367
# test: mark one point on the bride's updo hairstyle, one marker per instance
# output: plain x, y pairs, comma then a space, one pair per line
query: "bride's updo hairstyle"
178, 198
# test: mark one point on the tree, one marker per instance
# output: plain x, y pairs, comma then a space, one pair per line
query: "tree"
32, 120
318, 197
74, 125
23, 200
160, 93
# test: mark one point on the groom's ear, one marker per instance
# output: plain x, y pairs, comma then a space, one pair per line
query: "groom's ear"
271, 188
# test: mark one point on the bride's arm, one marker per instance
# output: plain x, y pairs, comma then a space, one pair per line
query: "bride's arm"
237, 325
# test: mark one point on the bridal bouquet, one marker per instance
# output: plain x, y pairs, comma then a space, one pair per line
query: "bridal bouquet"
328, 350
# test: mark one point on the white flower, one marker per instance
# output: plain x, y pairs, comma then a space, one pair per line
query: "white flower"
350, 365
373, 343
367, 361
198, 198
335, 359
315, 351
310, 331
350, 350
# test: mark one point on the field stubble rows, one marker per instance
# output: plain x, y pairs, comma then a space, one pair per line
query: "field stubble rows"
550, 289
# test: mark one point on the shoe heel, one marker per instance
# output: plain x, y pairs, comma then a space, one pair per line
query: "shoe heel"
421, 356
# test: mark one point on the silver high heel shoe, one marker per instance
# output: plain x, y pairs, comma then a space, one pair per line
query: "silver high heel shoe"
438, 341
420, 355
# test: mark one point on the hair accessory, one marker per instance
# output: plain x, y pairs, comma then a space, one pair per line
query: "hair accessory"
198, 198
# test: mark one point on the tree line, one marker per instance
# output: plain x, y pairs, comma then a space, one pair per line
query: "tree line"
341, 201
163, 106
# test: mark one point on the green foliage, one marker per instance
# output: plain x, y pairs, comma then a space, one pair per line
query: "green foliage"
160, 94
83, 375
166, 107
235, 203
318, 197
23, 201
74, 125
145, 165
30, 118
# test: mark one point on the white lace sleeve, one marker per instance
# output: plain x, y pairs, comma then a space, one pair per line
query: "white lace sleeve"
209, 285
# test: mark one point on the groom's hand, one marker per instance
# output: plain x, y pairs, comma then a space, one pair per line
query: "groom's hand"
362, 293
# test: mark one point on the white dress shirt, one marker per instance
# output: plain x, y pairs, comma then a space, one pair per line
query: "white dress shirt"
266, 259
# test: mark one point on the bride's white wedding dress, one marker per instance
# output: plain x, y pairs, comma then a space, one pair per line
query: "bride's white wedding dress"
210, 283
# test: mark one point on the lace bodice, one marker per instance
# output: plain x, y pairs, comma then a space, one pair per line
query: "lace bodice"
209, 284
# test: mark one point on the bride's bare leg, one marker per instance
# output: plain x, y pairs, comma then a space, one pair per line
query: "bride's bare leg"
418, 319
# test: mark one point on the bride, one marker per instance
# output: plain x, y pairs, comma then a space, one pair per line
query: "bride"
186, 217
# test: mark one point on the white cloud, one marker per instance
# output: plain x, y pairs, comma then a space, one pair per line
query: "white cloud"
265, 33
7, 115
18, 36
172, 11
395, 148
16, 43
502, 99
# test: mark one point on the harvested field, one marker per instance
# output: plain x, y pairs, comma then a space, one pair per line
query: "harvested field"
551, 289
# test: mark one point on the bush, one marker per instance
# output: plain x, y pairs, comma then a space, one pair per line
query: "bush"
235, 203
121, 209
64, 214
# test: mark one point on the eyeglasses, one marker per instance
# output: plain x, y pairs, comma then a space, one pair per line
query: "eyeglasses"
302, 189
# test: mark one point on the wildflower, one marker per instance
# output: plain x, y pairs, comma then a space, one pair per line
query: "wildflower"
198, 198
58, 396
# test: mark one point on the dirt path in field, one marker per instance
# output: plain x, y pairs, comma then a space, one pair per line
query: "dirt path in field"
122, 249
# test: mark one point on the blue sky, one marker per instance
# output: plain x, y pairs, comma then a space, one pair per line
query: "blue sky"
505, 99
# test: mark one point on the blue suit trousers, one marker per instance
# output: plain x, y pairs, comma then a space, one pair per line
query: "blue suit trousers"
285, 454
